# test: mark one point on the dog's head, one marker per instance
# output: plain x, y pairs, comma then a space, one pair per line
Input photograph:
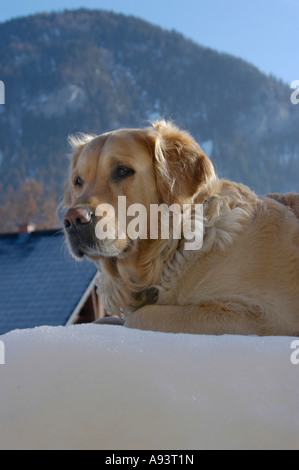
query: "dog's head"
160, 164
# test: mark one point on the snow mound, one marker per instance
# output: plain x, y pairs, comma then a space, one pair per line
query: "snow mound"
107, 387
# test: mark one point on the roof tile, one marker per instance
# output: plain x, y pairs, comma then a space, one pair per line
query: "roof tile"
40, 283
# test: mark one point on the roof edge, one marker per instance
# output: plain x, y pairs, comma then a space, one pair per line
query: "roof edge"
35, 233
82, 301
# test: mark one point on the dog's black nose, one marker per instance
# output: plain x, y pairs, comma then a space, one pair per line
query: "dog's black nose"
76, 218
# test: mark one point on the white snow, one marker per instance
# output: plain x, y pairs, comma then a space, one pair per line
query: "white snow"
108, 387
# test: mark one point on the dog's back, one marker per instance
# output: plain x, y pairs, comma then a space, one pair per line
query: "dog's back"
257, 269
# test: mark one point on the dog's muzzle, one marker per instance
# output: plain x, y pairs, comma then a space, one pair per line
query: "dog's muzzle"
79, 225
80, 230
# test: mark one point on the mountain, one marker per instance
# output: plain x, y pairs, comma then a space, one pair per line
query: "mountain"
94, 71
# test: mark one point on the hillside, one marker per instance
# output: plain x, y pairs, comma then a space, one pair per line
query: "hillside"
93, 71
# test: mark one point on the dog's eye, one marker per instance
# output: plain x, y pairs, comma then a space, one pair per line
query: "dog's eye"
121, 172
78, 181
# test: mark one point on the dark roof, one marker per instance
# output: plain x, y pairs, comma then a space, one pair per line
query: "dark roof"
40, 283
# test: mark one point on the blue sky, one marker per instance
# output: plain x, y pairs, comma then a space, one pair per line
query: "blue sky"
263, 32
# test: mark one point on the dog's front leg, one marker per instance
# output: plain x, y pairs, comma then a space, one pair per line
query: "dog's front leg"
212, 318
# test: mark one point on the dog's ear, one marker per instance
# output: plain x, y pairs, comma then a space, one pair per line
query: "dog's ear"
76, 144
183, 171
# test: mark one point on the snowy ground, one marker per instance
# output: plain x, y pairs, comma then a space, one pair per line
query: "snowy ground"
107, 387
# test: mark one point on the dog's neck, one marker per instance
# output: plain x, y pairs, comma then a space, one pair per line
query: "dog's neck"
129, 283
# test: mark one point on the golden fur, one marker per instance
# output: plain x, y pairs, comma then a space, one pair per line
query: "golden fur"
244, 279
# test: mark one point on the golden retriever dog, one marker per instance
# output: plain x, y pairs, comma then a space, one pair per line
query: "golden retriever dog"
245, 277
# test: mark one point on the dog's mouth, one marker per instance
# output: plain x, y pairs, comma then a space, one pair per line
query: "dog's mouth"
94, 250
